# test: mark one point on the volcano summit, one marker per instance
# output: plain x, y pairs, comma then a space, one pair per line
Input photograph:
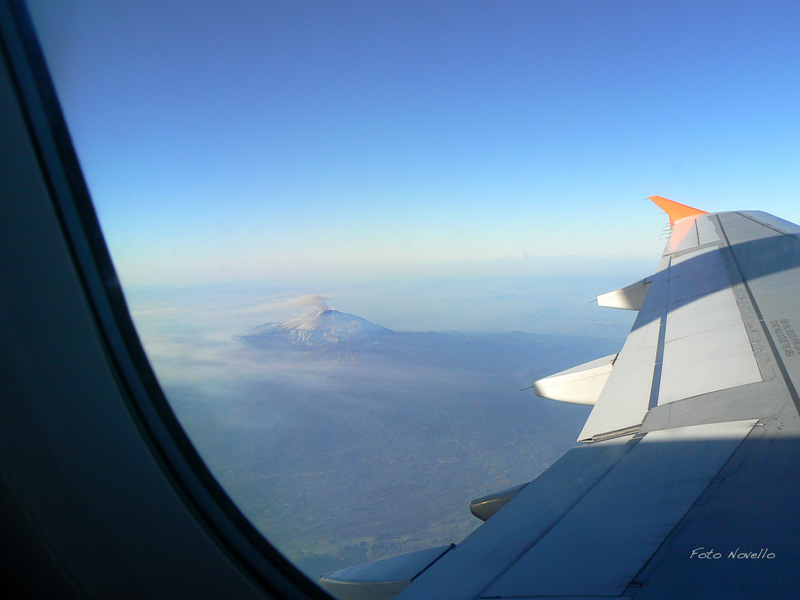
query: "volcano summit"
325, 328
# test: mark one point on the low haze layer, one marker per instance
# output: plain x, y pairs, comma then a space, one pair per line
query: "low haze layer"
345, 441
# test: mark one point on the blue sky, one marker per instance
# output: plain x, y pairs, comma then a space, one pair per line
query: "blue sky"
265, 141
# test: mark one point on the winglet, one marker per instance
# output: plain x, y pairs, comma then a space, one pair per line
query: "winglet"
675, 210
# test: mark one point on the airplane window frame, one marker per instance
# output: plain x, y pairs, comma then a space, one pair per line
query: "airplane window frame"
146, 402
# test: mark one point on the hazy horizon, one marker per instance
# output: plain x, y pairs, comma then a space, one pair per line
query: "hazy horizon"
257, 141
555, 299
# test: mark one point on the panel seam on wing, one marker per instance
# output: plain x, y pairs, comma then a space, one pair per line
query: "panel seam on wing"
629, 446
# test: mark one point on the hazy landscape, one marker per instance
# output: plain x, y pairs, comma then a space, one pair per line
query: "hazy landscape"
345, 441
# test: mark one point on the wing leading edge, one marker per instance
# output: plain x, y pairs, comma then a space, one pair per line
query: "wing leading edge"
693, 444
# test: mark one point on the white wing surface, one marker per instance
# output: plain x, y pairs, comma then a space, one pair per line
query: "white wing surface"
688, 481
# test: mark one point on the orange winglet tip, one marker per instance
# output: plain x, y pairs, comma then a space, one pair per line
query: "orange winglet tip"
675, 210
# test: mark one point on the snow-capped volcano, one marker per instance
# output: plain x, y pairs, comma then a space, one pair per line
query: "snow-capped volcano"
325, 327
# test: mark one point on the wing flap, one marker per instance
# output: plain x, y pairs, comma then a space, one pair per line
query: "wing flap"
588, 524
614, 530
625, 398
491, 549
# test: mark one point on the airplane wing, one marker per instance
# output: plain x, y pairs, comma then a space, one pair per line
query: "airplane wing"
687, 481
